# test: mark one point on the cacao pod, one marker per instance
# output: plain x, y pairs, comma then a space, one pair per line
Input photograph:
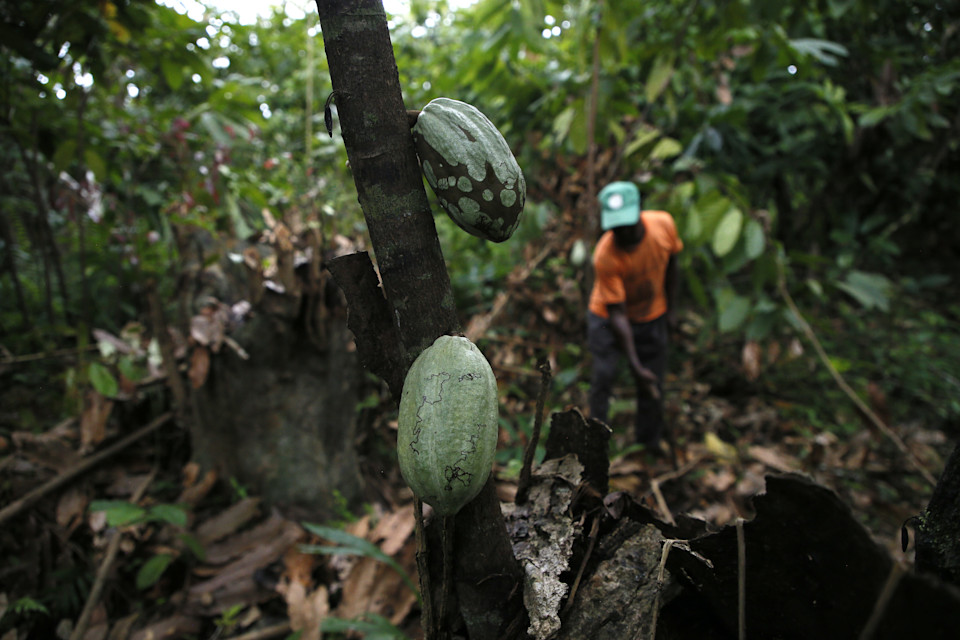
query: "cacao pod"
470, 167
448, 424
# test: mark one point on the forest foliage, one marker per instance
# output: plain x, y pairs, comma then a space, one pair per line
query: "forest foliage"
810, 141
806, 149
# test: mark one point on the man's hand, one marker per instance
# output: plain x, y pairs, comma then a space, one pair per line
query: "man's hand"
647, 382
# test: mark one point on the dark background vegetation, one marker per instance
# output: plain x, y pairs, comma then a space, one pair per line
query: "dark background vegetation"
807, 148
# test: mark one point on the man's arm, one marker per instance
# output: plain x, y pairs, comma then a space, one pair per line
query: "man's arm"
620, 324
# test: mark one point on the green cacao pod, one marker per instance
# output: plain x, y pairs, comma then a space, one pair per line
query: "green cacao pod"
448, 424
470, 167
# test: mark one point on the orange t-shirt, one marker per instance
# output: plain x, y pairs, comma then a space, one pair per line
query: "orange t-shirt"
635, 277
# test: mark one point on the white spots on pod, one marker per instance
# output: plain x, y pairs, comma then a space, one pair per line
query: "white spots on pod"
429, 173
464, 184
508, 197
469, 206
487, 195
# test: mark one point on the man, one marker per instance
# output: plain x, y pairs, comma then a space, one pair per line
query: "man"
632, 301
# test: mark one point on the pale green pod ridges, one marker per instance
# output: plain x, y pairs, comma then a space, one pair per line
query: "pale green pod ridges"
470, 167
448, 424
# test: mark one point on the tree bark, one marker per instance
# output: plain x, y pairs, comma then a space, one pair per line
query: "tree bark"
938, 530
373, 122
419, 302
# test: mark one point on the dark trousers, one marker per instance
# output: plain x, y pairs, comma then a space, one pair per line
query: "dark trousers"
650, 340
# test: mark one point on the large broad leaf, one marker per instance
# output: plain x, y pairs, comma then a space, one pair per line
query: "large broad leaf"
659, 76
872, 290
727, 232
712, 206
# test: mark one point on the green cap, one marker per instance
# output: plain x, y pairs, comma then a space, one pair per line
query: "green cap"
620, 205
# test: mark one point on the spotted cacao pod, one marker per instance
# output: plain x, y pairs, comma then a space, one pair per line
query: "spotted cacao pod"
470, 167
448, 424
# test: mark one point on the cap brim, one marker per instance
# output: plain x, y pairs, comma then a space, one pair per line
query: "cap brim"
622, 218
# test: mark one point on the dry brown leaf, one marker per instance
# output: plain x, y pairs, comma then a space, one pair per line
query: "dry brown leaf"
126, 484
298, 566
306, 609
93, 421
71, 508
235, 583
720, 480
177, 626
394, 529
199, 367
774, 459
750, 360
228, 521
121, 630
724, 95
191, 473
373, 587
752, 482
194, 493
47, 450
237, 545
97, 631
208, 327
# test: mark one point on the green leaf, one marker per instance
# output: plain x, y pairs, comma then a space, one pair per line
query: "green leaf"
693, 228
875, 116
171, 513
659, 76
823, 51
102, 380
644, 136
727, 232
172, 73
131, 370
712, 206
754, 240
119, 512
193, 544
733, 310
372, 626
64, 155
352, 545
871, 290
27, 604
561, 124
95, 164
152, 569
666, 148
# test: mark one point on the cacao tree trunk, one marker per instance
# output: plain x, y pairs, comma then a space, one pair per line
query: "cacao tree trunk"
418, 305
